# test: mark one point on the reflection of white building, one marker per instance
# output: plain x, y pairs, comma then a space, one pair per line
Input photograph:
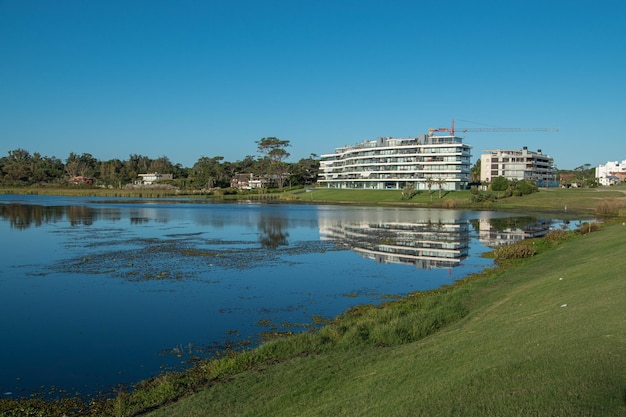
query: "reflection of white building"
425, 244
611, 173
494, 236
391, 163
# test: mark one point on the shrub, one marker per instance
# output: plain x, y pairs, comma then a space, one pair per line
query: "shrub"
481, 197
516, 251
588, 228
524, 187
557, 235
611, 208
450, 204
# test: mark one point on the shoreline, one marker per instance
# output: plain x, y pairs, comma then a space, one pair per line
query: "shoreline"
459, 283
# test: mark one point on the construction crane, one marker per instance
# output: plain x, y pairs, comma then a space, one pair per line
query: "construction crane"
452, 130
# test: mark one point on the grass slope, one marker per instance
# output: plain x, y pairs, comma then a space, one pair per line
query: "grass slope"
581, 200
545, 338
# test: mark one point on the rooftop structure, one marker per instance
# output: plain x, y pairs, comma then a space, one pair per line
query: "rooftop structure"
396, 163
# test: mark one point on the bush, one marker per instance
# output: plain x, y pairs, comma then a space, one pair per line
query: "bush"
481, 197
516, 251
557, 235
588, 228
611, 208
450, 204
526, 187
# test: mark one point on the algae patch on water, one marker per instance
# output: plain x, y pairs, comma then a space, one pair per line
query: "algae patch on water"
181, 257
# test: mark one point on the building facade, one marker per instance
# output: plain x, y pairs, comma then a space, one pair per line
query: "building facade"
151, 178
611, 173
428, 161
518, 165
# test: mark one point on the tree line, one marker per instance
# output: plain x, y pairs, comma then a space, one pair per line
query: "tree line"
21, 168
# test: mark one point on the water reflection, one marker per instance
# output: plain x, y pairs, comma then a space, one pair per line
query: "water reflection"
272, 233
115, 283
423, 243
23, 216
509, 230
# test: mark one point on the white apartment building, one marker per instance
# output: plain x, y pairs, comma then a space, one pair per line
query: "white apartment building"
395, 163
518, 165
611, 173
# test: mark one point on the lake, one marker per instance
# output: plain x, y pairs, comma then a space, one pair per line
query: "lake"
97, 292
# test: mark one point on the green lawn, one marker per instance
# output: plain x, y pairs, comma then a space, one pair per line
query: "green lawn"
554, 199
545, 338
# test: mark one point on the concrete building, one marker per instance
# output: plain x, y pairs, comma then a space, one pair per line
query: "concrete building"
518, 165
395, 163
611, 173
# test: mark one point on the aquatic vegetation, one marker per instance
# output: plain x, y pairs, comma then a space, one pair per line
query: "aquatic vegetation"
184, 257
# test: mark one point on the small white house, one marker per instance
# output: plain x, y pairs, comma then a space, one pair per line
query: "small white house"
149, 179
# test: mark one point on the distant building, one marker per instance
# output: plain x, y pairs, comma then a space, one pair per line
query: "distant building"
395, 163
611, 173
247, 182
149, 179
518, 165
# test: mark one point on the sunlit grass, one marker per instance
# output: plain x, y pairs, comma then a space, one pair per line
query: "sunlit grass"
543, 338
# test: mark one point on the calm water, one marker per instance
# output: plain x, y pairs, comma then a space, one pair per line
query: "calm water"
100, 292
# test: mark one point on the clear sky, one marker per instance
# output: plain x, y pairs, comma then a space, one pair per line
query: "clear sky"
186, 79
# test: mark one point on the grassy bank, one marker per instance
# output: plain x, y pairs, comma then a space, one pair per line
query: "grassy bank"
543, 338
558, 200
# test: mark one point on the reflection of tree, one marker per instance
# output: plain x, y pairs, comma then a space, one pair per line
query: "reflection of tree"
80, 215
22, 216
272, 234
505, 223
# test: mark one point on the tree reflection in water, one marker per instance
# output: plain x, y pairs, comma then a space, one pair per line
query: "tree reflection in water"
271, 231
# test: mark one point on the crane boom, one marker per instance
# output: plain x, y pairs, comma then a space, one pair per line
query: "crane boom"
452, 130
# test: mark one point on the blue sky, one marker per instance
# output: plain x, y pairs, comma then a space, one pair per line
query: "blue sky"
186, 79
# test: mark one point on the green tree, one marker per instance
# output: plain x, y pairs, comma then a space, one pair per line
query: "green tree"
17, 167
274, 153
208, 173
524, 187
46, 169
499, 184
429, 183
84, 165
110, 172
304, 171
475, 172
161, 165
440, 183
135, 165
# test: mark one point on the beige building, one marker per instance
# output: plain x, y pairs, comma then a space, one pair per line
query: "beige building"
518, 165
